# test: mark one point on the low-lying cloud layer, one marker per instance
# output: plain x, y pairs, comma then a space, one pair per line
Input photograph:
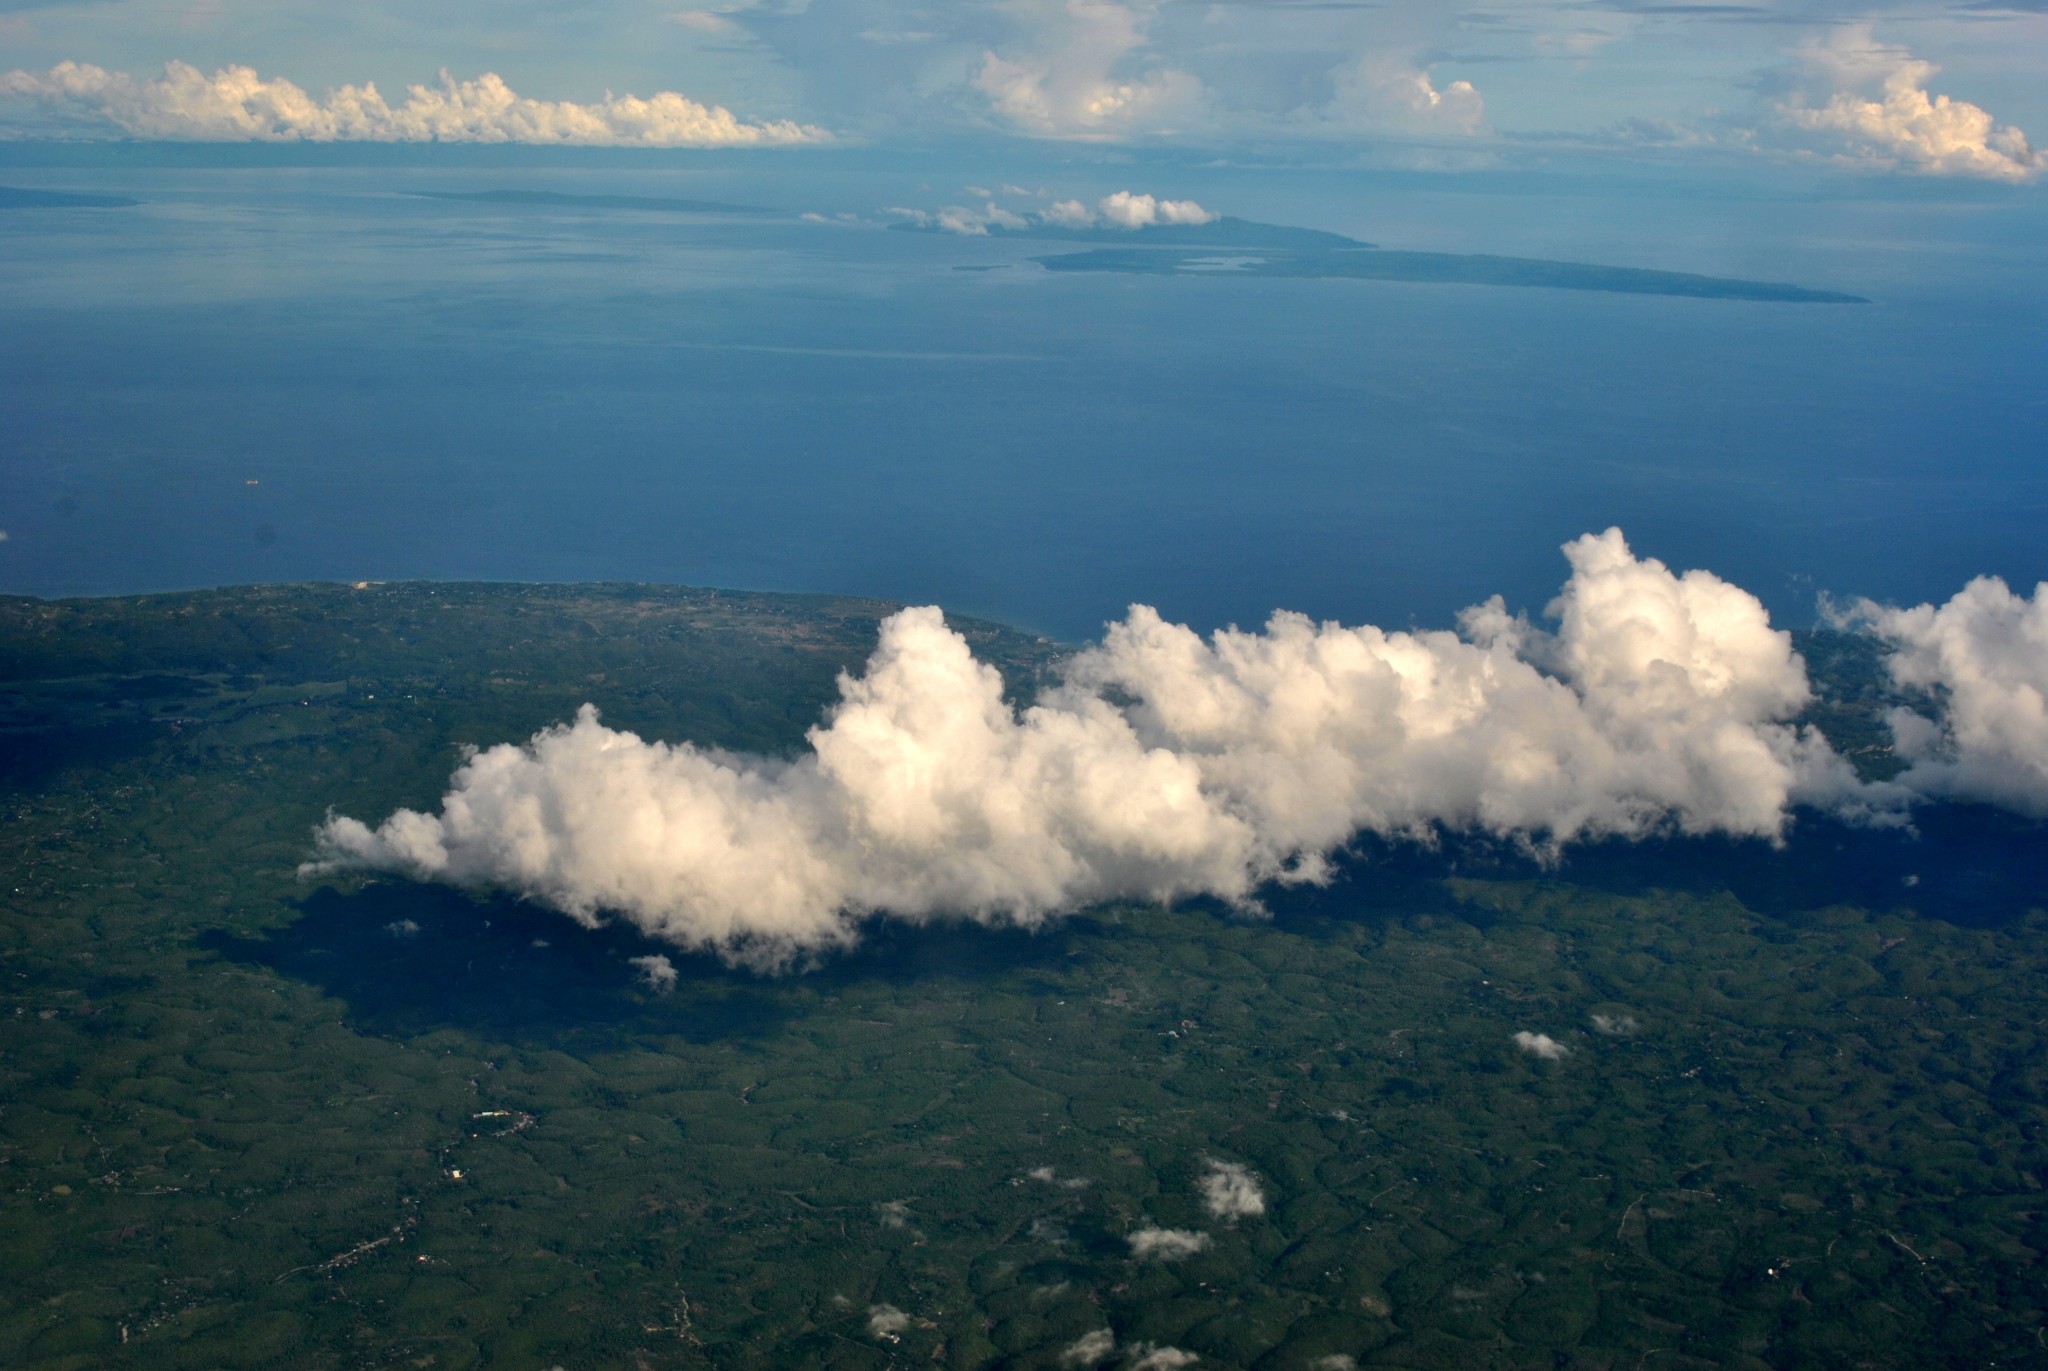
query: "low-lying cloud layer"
1123, 209
1541, 1045
237, 105
1168, 765
1167, 1244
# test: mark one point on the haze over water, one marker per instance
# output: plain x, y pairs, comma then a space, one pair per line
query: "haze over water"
284, 373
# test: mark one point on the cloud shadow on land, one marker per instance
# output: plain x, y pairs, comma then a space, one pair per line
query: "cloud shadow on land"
1967, 864
410, 959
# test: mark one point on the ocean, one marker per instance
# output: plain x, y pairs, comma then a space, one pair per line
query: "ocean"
275, 372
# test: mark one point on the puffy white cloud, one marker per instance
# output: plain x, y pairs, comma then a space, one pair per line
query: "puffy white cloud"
1164, 765
1069, 76
1151, 1357
1230, 1192
657, 973
1132, 211
1983, 657
1166, 1244
1900, 122
1659, 702
1090, 1349
235, 104
886, 1321
1542, 1045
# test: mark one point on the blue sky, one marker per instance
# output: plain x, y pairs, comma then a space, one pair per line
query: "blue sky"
1941, 87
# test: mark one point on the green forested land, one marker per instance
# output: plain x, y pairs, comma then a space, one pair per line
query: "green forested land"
233, 1105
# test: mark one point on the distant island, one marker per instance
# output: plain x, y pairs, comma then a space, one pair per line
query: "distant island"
15, 197
1441, 268
557, 200
1243, 247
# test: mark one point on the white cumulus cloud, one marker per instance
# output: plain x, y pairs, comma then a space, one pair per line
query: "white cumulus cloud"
1983, 659
1542, 1045
235, 104
1230, 1192
1880, 110
1165, 765
1151, 1357
1127, 210
1079, 72
1166, 1244
886, 1321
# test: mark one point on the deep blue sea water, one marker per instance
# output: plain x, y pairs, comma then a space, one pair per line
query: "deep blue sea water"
282, 373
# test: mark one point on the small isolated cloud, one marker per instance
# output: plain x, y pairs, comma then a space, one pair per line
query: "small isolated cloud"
1230, 1193
887, 1321
1166, 1244
1615, 1025
1874, 107
657, 973
1090, 1349
702, 21
892, 1214
236, 105
1336, 1361
1151, 1357
1982, 659
402, 928
1542, 1045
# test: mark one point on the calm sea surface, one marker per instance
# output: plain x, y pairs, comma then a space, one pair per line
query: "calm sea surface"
282, 374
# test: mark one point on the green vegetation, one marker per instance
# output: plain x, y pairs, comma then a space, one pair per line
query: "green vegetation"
1442, 268
247, 1121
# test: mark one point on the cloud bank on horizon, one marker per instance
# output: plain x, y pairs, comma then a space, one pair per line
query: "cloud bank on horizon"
1167, 765
235, 104
1804, 81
